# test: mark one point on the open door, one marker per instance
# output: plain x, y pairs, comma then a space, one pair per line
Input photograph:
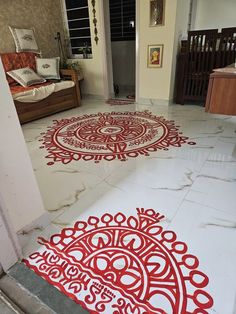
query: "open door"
120, 30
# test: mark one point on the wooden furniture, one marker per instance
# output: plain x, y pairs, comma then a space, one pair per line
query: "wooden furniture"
221, 95
203, 51
56, 102
72, 75
226, 53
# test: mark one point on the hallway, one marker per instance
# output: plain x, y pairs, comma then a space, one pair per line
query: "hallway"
192, 186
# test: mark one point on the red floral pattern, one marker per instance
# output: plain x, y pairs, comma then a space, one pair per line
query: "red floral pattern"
109, 136
118, 264
14, 61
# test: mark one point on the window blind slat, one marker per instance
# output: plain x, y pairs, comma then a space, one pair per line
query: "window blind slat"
122, 12
79, 26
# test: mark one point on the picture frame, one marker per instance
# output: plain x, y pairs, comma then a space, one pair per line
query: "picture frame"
155, 56
157, 12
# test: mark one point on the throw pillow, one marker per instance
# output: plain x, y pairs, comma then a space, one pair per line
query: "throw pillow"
26, 77
24, 40
48, 68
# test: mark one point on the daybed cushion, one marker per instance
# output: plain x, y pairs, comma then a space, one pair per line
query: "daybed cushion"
26, 77
24, 39
48, 68
38, 92
19, 89
13, 61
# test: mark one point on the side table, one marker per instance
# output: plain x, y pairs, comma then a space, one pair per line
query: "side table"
72, 75
221, 95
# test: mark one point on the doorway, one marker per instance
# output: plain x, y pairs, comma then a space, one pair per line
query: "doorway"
122, 42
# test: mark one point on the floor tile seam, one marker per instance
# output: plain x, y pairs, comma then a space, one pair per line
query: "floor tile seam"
65, 209
85, 172
184, 187
112, 171
29, 293
198, 172
175, 214
225, 179
89, 189
211, 207
168, 190
204, 162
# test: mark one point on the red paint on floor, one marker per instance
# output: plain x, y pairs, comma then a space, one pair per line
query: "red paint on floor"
118, 264
109, 136
118, 101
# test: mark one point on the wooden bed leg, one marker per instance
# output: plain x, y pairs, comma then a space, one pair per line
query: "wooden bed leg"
74, 78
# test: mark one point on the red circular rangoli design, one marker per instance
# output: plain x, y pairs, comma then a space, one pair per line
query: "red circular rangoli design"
109, 136
118, 264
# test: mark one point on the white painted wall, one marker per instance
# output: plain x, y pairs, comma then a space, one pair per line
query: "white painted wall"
107, 60
10, 247
123, 60
155, 83
18, 187
214, 14
8, 256
93, 69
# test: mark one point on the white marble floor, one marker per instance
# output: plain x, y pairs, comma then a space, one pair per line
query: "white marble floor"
193, 186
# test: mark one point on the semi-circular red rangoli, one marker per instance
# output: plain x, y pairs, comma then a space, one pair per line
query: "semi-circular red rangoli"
109, 136
118, 264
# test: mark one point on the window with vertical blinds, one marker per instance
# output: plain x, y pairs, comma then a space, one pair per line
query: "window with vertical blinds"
79, 26
122, 19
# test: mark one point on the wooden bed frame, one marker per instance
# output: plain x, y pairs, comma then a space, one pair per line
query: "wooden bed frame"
204, 51
56, 102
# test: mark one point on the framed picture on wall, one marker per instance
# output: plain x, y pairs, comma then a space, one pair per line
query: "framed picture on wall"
157, 12
155, 56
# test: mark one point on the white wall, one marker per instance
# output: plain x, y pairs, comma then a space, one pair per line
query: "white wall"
155, 83
123, 60
18, 187
9, 244
108, 75
93, 69
214, 14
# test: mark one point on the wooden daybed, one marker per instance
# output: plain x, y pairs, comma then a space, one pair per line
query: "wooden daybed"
56, 102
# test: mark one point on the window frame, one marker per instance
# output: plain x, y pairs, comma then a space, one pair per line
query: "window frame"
122, 33
67, 30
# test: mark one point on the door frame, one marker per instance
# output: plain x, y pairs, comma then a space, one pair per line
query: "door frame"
107, 56
106, 48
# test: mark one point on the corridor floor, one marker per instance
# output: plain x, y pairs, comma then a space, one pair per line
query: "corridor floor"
149, 223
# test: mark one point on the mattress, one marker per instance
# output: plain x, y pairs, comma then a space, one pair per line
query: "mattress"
39, 92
